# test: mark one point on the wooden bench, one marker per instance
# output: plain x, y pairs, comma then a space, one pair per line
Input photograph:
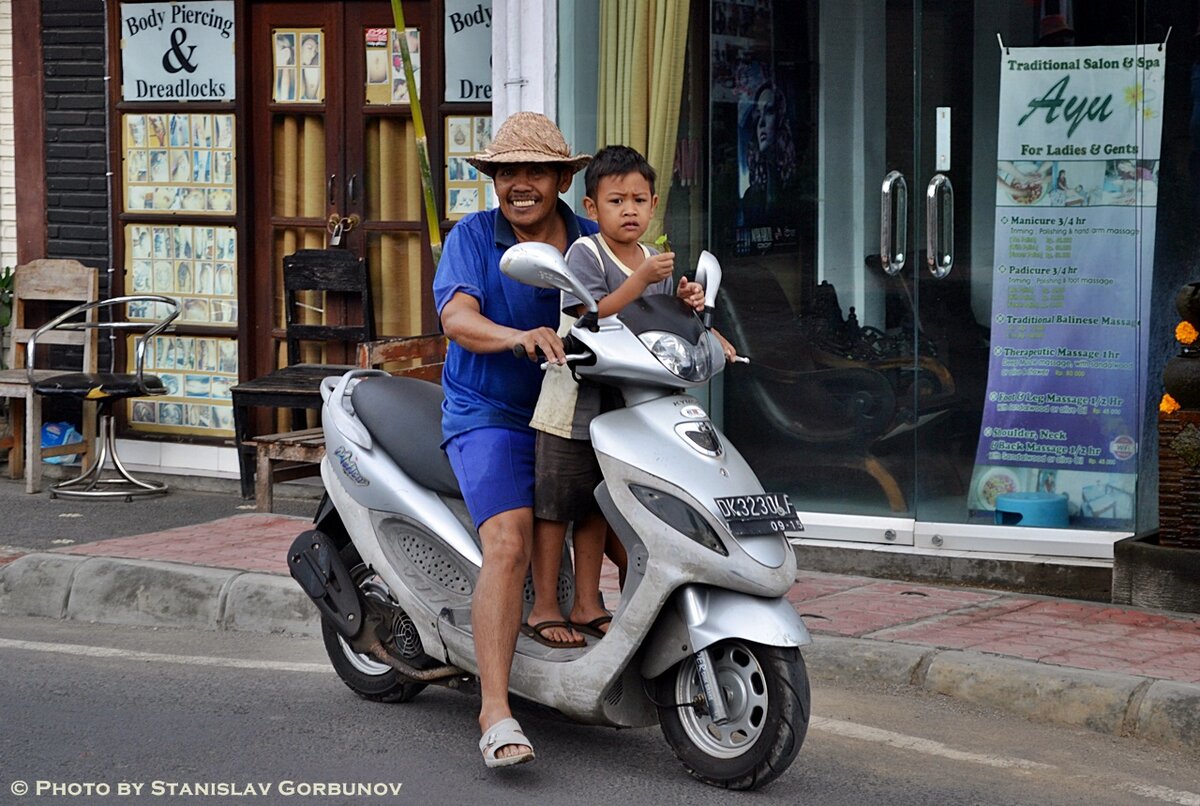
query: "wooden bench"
283, 457
297, 454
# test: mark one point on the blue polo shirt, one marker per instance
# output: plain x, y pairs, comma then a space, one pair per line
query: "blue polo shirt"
493, 389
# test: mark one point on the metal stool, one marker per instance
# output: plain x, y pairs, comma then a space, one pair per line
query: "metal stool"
105, 389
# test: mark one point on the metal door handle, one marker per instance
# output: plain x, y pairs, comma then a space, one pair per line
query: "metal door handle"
939, 226
352, 189
329, 188
893, 222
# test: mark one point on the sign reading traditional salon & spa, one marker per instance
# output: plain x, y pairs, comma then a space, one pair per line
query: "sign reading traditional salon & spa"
1080, 131
177, 51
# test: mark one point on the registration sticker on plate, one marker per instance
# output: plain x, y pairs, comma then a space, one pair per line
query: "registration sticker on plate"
759, 514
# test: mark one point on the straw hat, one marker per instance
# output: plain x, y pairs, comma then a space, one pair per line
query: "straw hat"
527, 137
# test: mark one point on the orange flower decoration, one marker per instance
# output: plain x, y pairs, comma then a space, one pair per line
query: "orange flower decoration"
1185, 333
1168, 405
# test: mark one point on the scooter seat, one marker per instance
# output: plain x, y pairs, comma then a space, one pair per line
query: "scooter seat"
404, 415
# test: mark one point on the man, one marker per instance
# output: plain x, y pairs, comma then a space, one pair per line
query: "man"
490, 394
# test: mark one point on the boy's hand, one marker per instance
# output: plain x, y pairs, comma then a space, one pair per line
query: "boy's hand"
656, 268
691, 293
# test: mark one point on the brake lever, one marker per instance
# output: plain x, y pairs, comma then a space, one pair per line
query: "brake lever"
569, 358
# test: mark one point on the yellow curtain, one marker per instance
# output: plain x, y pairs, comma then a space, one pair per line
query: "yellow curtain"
642, 49
299, 192
393, 188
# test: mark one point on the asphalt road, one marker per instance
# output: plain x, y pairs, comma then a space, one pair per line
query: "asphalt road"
38, 522
90, 705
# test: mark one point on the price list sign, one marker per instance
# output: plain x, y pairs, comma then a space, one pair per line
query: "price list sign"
1076, 190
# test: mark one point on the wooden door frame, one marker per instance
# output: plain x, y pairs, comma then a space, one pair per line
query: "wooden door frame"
29, 141
257, 280
345, 115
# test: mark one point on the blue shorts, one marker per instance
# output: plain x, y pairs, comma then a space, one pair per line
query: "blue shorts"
494, 467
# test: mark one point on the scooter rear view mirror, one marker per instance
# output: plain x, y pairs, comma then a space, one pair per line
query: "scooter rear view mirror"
541, 265
708, 274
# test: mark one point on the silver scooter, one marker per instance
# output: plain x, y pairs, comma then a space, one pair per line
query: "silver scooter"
702, 642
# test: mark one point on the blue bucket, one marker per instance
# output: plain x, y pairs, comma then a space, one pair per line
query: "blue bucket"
1032, 509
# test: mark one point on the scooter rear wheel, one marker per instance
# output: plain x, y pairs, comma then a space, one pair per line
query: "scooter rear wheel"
366, 676
767, 693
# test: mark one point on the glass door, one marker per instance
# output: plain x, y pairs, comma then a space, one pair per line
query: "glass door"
812, 113
1040, 133
940, 219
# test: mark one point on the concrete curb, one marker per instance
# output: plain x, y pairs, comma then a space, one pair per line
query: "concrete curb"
150, 593
1159, 711
160, 594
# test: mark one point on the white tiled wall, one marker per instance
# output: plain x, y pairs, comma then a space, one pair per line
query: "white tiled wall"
8, 196
192, 460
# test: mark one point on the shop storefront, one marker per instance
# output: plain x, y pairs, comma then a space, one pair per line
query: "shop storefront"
950, 231
229, 135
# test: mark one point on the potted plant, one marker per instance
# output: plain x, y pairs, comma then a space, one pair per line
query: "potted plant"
1162, 569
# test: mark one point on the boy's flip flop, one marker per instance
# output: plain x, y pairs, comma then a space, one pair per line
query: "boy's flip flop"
592, 628
537, 633
504, 733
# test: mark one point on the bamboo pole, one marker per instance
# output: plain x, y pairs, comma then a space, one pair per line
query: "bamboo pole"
414, 102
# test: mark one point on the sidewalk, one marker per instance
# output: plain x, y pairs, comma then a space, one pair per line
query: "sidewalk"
1117, 670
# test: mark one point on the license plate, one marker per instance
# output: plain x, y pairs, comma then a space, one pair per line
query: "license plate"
759, 514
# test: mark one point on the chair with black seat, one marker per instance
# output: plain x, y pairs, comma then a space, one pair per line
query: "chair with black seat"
104, 389
347, 318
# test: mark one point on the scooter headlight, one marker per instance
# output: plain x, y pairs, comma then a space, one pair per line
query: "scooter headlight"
692, 362
679, 516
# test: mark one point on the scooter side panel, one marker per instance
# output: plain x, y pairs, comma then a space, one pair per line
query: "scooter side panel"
358, 522
373, 481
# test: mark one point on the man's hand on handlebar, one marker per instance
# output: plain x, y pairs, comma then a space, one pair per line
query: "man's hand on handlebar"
539, 344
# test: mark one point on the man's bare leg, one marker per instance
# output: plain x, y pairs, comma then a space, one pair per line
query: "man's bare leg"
548, 538
506, 539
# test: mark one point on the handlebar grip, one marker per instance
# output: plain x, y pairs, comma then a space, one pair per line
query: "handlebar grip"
518, 350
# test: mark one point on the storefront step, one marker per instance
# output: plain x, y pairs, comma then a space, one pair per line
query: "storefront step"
1075, 578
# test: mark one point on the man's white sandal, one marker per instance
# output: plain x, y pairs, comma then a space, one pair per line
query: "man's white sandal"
503, 733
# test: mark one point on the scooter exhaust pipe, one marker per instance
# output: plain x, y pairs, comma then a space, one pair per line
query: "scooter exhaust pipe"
315, 563
376, 650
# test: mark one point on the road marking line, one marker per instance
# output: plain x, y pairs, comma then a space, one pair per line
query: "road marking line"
157, 657
1162, 793
853, 730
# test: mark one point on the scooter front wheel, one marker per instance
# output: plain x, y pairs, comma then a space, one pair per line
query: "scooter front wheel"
366, 676
767, 695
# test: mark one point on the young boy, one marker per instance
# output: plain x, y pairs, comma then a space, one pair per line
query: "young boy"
617, 269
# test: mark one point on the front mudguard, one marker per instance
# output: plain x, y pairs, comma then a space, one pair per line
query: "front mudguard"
698, 616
